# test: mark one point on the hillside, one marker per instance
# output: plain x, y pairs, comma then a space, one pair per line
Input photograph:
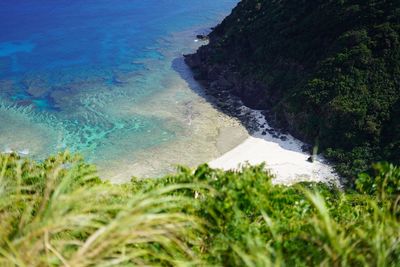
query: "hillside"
327, 71
58, 213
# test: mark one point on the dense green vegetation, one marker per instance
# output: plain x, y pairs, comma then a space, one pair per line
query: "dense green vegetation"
329, 71
57, 213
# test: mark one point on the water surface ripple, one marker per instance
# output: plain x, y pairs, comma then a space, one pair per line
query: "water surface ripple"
97, 77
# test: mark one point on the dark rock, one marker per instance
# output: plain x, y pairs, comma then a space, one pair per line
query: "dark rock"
192, 61
284, 138
214, 74
285, 131
202, 37
306, 148
311, 159
225, 95
224, 84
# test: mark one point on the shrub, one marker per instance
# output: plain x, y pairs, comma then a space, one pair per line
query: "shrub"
58, 213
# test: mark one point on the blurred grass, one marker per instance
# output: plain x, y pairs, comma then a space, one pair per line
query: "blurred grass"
58, 213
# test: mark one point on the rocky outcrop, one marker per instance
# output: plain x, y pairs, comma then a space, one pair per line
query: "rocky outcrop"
228, 86
202, 37
221, 80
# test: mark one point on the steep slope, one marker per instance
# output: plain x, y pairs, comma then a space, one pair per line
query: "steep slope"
328, 71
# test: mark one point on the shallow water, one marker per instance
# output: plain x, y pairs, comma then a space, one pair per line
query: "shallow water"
106, 79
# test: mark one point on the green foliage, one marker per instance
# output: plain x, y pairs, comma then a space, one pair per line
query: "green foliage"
330, 68
58, 213
384, 182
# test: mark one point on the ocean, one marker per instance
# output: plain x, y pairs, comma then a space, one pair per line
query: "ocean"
106, 79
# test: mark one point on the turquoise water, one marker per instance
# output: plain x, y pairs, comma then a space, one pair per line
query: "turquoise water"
97, 77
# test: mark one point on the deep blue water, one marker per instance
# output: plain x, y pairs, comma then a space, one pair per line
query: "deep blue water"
42, 35
68, 69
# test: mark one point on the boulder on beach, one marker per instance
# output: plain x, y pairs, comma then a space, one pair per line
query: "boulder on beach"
202, 37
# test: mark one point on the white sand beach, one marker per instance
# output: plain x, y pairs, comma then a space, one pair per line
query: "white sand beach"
283, 156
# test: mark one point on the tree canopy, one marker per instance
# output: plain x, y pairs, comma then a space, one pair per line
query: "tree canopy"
330, 70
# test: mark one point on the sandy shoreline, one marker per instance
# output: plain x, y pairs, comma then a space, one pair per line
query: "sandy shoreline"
283, 156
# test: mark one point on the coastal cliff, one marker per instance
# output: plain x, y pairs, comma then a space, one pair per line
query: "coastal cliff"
327, 71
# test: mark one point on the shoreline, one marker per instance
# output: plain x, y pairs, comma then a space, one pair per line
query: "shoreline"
205, 132
282, 154
285, 156
200, 132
